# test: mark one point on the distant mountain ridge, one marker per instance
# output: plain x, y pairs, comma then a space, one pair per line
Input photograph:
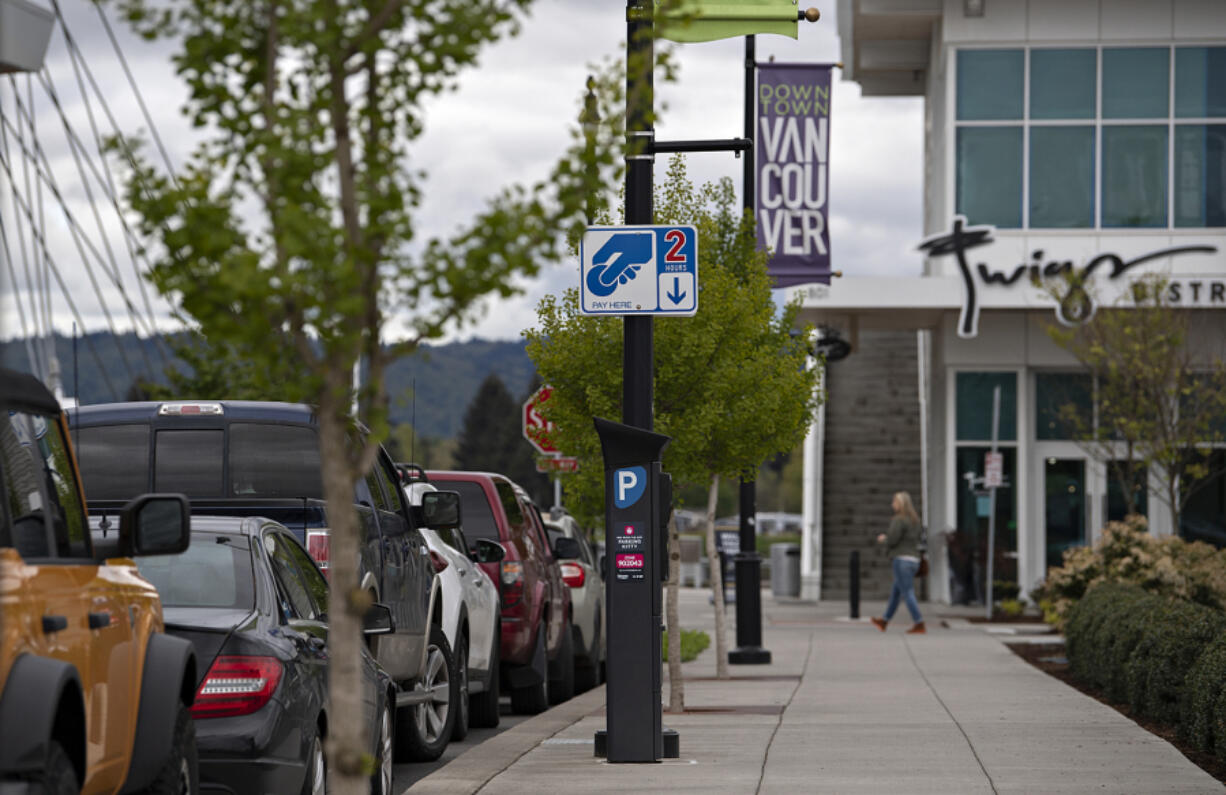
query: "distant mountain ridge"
445, 376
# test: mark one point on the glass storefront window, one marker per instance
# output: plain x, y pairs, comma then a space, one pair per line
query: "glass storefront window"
1120, 473
1200, 82
974, 406
1204, 513
990, 175
1063, 84
1065, 507
968, 545
990, 84
1056, 396
1136, 82
1061, 177
1200, 175
1134, 176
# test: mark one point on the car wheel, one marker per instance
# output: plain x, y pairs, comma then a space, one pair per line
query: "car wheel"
422, 730
562, 668
534, 699
459, 691
58, 776
587, 669
483, 707
180, 775
315, 781
381, 781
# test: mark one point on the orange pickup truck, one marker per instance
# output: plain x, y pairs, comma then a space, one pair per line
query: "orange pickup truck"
95, 697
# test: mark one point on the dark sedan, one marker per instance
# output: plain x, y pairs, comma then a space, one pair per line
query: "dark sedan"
250, 599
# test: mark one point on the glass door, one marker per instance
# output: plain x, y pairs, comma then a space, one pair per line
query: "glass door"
1066, 506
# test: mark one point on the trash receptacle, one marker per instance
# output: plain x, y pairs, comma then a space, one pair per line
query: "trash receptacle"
785, 569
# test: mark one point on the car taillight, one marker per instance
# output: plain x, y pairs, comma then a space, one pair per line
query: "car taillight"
512, 582
438, 560
572, 575
318, 547
236, 686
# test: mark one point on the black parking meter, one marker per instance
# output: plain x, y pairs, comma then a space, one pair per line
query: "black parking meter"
635, 566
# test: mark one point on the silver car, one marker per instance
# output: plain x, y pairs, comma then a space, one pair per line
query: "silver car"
586, 582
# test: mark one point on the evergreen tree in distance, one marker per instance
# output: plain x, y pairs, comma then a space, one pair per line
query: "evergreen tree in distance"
491, 439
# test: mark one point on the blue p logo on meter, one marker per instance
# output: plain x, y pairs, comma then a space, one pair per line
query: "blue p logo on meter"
639, 270
628, 485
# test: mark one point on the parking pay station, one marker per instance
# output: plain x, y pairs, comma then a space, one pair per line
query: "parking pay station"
638, 498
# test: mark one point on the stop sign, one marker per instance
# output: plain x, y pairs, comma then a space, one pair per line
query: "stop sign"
537, 429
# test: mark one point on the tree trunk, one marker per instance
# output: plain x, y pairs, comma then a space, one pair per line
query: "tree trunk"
347, 743
676, 686
717, 583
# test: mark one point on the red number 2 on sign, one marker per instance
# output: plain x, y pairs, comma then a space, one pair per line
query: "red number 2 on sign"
677, 238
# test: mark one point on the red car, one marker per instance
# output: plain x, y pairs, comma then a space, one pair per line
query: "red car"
537, 666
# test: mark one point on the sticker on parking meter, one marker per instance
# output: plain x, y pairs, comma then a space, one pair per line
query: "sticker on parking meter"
628, 485
629, 559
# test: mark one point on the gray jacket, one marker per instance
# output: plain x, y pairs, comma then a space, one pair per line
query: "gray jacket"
902, 538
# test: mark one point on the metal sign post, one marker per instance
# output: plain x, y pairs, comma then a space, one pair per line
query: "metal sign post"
992, 500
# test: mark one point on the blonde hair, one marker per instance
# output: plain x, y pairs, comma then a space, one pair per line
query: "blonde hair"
906, 507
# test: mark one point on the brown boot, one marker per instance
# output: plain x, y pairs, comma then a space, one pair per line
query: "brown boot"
918, 629
879, 623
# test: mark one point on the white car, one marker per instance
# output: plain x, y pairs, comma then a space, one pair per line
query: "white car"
583, 576
471, 614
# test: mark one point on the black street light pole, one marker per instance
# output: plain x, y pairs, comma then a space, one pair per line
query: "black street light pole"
749, 649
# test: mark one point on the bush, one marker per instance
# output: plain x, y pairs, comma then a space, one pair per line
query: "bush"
1012, 607
693, 642
1204, 715
1173, 639
1101, 632
1127, 553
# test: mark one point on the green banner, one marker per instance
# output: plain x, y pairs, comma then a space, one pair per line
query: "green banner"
709, 20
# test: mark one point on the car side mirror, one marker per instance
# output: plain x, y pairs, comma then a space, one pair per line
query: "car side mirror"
565, 548
378, 620
156, 524
487, 551
440, 509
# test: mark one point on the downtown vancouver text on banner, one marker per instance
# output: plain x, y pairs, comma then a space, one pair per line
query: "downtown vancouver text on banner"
792, 144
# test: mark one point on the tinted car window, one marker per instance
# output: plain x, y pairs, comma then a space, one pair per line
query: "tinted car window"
214, 571
274, 461
101, 448
35, 456
475, 509
189, 462
390, 487
285, 568
316, 585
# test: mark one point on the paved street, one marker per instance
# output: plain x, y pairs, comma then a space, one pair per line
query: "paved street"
843, 708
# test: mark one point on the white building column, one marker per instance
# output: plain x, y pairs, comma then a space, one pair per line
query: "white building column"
811, 499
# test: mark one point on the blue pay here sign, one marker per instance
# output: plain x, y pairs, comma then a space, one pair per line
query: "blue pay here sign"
638, 270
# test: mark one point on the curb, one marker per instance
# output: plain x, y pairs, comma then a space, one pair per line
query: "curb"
473, 769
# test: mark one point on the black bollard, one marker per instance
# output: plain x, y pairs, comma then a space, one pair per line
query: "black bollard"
853, 593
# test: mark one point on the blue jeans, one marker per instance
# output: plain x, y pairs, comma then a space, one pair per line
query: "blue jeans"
904, 588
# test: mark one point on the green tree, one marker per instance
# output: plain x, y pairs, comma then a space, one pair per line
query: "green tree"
1159, 394
731, 383
289, 233
204, 370
483, 442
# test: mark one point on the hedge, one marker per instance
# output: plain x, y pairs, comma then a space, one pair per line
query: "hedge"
1164, 657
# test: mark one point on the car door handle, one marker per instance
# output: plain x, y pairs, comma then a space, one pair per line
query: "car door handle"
463, 572
99, 620
54, 624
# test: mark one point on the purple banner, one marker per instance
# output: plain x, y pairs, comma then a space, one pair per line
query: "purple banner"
792, 146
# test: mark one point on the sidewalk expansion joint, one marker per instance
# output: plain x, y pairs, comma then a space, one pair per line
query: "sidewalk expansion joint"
945, 707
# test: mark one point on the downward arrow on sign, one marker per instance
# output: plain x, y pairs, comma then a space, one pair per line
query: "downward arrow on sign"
676, 295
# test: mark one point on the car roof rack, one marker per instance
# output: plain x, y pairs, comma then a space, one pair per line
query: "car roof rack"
412, 473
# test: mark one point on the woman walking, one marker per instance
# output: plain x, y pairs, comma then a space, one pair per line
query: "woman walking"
902, 542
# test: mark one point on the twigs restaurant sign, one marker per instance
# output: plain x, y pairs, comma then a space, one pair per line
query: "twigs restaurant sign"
1075, 304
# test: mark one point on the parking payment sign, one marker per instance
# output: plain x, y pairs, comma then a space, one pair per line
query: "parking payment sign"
629, 551
639, 270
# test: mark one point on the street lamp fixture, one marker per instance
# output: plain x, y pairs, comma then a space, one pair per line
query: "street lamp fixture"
25, 30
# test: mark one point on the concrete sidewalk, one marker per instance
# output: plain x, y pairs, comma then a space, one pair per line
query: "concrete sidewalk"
843, 708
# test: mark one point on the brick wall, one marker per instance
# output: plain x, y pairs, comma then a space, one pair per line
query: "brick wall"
872, 449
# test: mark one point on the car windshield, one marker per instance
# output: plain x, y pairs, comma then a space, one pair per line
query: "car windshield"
215, 571
474, 508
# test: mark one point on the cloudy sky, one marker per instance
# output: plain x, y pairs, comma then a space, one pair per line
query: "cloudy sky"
505, 123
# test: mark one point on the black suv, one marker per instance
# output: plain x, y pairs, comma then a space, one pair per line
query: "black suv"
246, 458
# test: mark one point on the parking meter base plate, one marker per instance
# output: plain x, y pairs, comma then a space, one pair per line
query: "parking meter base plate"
752, 655
672, 744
